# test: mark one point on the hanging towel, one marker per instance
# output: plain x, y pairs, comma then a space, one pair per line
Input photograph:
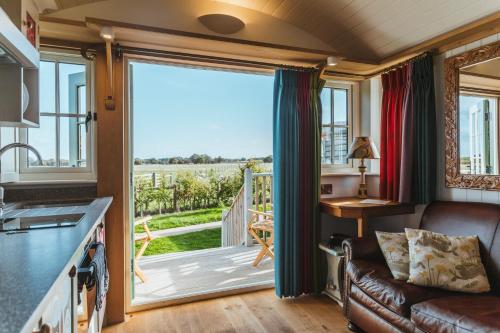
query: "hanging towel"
100, 276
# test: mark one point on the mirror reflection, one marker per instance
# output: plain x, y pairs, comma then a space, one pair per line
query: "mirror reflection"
479, 118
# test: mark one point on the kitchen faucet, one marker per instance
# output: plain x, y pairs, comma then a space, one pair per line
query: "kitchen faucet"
9, 147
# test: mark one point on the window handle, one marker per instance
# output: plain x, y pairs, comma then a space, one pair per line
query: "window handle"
87, 120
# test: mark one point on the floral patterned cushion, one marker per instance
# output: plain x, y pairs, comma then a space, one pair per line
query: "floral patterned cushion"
394, 246
448, 262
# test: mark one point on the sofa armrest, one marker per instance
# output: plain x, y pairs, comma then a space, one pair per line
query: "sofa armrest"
357, 248
362, 248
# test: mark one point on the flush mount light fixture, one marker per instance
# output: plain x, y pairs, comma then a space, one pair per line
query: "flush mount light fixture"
332, 61
107, 33
221, 23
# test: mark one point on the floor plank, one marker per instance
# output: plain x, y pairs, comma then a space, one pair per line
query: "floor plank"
254, 312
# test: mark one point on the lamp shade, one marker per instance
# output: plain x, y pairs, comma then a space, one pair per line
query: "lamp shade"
363, 147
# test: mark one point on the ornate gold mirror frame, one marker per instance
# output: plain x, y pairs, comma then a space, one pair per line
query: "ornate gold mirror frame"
452, 66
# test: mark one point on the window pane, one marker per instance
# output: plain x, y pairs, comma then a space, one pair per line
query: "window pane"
47, 87
326, 145
340, 140
82, 99
340, 106
71, 77
72, 143
326, 106
44, 140
82, 144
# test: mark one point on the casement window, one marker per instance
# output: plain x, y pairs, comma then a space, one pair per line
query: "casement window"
336, 134
65, 137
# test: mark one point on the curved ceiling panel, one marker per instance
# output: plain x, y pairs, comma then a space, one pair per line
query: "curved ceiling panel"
362, 29
183, 15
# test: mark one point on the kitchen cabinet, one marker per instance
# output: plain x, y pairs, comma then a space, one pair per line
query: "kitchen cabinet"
57, 316
62, 313
24, 15
19, 62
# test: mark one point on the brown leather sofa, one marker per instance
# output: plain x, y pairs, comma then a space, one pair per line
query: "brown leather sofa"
375, 302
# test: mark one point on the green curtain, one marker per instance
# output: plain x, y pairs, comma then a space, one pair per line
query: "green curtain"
424, 115
297, 171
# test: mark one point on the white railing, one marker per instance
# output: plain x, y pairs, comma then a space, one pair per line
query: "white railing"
256, 193
232, 229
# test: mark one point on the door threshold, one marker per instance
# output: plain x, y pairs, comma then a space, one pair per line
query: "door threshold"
189, 298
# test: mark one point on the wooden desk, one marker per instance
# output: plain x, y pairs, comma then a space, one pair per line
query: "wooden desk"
352, 208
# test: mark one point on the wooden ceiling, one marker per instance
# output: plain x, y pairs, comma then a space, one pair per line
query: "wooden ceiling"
367, 29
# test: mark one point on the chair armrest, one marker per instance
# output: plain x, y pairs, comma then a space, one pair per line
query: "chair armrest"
265, 214
365, 248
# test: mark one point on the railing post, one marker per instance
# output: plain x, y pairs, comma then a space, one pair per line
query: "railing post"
247, 205
224, 230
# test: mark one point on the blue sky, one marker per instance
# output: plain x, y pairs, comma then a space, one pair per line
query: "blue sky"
180, 111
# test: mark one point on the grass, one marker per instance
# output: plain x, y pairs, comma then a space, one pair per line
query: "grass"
205, 239
182, 219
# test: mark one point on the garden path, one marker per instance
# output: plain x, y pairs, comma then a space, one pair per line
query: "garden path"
183, 230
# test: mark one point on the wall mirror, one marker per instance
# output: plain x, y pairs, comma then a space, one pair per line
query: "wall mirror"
473, 118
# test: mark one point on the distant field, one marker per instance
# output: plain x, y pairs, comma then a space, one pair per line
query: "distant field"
224, 169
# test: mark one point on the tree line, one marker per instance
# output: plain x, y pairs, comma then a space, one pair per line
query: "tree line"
198, 159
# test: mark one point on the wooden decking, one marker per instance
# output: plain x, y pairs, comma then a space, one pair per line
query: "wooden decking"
255, 312
184, 274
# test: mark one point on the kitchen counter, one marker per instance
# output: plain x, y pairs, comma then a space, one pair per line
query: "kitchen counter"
31, 262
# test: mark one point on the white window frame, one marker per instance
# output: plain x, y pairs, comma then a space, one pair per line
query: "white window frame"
352, 119
34, 173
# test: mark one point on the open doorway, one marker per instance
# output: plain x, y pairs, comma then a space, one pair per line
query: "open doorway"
199, 137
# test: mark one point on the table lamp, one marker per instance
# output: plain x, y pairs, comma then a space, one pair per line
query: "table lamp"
363, 147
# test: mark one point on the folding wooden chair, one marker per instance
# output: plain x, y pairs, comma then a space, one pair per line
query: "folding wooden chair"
262, 222
147, 237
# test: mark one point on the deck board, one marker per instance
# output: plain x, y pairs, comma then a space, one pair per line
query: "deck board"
183, 274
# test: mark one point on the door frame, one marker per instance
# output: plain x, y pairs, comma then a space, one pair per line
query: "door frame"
130, 307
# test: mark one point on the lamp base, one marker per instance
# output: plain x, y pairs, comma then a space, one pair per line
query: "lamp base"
362, 191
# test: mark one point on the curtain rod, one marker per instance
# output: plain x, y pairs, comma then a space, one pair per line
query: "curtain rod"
85, 47
407, 61
209, 59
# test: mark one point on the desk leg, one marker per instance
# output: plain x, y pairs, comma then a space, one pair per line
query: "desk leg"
362, 227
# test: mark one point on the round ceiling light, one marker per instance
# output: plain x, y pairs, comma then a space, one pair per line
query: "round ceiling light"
221, 23
332, 61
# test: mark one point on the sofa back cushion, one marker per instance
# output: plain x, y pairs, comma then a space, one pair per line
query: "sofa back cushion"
467, 219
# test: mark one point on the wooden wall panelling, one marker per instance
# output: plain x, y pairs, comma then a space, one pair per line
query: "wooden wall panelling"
110, 182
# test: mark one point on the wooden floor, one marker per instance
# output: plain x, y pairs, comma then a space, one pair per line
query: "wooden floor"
178, 275
258, 311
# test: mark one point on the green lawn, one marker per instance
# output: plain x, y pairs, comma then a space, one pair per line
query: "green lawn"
199, 240
183, 219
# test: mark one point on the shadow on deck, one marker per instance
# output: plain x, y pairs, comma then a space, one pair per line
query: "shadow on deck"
185, 274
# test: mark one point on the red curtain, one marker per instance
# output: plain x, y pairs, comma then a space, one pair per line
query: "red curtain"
395, 87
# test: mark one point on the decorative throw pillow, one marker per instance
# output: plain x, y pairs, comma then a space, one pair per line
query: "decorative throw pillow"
448, 262
394, 246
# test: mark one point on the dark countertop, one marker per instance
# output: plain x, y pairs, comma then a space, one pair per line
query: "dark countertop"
31, 262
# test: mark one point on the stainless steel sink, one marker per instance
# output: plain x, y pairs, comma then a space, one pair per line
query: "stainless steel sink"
39, 222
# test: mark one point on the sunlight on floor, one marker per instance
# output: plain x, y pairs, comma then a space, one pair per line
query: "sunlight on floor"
179, 274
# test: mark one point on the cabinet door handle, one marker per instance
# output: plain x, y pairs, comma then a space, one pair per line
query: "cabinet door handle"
45, 328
